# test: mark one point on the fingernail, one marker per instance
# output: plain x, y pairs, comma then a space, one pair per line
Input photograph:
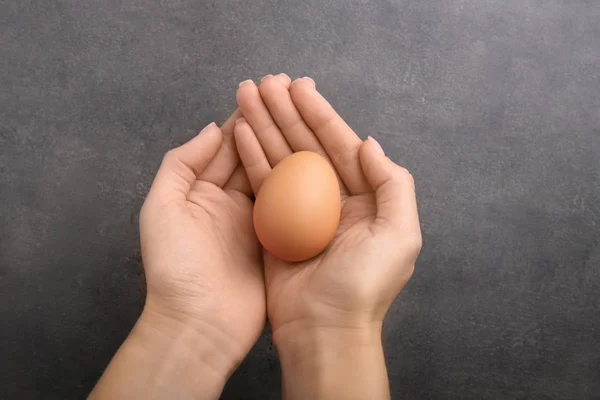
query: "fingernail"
311, 80
245, 82
208, 127
285, 76
265, 77
377, 145
240, 120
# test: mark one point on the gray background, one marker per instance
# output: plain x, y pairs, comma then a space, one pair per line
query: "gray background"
493, 105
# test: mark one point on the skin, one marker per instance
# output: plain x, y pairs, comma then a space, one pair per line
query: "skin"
326, 313
205, 304
210, 286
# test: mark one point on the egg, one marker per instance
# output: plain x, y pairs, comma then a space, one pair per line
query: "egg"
297, 209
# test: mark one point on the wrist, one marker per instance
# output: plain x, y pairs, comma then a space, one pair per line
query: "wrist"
332, 362
220, 349
303, 342
162, 358
203, 344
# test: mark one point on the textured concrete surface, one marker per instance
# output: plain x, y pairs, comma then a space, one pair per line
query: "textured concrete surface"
493, 105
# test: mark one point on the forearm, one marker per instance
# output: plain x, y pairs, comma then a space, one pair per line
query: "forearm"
162, 360
333, 364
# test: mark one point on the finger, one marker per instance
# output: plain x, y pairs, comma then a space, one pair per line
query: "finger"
394, 188
181, 166
256, 113
337, 138
222, 166
281, 107
239, 181
252, 155
283, 78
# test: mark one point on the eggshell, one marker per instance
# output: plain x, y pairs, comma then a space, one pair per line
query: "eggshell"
297, 210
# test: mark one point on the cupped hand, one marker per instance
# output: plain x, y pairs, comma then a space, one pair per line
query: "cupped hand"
202, 260
353, 282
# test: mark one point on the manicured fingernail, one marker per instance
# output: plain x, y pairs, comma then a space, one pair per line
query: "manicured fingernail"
208, 127
311, 80
285, 76
240, 120
377, 145
265, 77
246, 81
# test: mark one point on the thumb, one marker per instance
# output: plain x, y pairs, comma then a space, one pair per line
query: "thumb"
393, 185
181, 166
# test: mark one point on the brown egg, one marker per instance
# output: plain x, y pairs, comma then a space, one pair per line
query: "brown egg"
297, 210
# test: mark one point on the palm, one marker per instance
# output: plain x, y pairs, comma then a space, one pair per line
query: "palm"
212, 220
326, 278
202, 260
281, 119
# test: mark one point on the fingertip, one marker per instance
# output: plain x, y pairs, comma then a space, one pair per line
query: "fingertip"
245, 93
302, 92
242, 133
273, 83
240, 125
303, 82
379, 169
370, 153
371, 149
282, 78
376, 144
305, 95
209, 127
210, 132
374, 163
196, 154
227, 127
285, 80
219, 170
270, 84
393, 186
310, 81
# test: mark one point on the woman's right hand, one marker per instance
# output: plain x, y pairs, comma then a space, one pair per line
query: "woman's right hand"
326, 313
